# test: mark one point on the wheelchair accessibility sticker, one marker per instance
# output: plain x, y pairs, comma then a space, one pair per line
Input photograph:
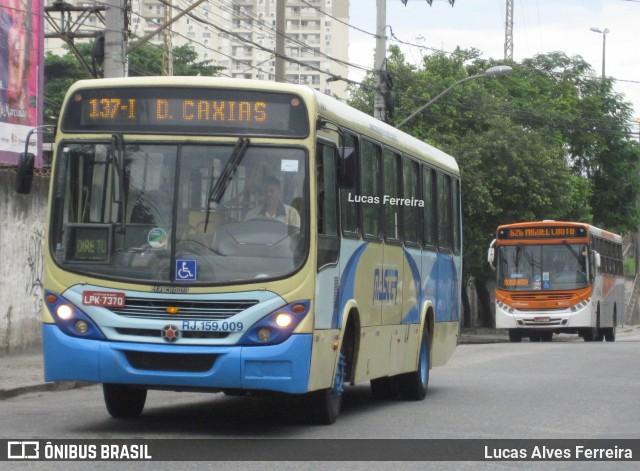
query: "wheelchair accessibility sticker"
186, 270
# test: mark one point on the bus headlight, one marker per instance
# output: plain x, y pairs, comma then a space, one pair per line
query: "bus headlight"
64, 312
71, 320
284, 320
277, 326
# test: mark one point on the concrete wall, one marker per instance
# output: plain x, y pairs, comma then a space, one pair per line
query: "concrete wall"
22, 219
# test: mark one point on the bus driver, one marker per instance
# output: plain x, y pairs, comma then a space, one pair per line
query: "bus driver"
273, 207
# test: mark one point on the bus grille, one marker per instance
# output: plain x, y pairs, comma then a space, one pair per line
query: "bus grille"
185, 334
188, 310
186, 362
541, 296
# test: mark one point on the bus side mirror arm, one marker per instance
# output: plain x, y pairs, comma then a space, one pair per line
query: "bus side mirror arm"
491, 254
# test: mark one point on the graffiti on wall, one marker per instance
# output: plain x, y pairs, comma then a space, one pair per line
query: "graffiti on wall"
35, 263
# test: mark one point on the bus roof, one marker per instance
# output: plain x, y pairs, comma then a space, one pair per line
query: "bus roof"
321, 104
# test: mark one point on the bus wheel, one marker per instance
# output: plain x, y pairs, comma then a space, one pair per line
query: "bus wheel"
413, 386
599, 337
385, 389
124, 402
324, 405
588, 335
546, 336
610, 332
514, 336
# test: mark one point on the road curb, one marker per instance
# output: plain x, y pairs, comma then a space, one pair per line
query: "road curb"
43, 387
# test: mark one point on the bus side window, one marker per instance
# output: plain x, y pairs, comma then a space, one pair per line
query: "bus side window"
349, 209
445, 232
429, 221
411, 189
391, 189
456, 222
328, 241
371, 196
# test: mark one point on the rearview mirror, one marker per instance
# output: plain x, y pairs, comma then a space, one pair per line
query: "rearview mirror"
24, 176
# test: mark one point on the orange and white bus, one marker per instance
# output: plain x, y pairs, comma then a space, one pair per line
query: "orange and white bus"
558, 277
165, 268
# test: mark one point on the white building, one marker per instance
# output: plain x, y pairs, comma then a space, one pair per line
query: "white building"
240, 35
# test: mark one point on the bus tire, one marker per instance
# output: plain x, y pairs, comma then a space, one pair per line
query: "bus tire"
385, 389
124, 402
610, 332
323, 406
413, 386
514, 336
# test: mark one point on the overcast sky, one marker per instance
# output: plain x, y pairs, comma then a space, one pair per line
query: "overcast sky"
539, 26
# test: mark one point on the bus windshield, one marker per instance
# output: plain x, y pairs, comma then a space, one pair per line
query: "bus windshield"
191, 213
542, 267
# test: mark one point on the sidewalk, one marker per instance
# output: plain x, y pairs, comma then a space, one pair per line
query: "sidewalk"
23, 372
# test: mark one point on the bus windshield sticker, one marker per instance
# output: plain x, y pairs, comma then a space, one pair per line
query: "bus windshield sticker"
186, 270
157, 238
288, 165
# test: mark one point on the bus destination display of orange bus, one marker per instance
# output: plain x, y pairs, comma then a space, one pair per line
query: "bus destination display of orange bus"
567, 232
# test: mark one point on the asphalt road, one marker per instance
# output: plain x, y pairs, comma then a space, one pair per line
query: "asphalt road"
565, 389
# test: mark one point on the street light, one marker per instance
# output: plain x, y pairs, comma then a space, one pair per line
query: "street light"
490, 72
604, 43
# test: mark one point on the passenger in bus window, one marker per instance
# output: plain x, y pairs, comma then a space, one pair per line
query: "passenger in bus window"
273, 207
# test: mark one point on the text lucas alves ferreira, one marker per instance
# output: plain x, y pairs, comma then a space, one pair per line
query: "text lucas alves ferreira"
579, 452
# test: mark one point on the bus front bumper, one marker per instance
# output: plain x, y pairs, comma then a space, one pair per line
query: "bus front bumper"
558, 320
283, 367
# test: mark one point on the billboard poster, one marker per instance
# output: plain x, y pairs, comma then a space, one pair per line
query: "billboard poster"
21, 76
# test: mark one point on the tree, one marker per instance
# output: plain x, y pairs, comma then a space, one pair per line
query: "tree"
547, 141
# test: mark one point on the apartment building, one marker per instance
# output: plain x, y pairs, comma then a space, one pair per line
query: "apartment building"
240, 35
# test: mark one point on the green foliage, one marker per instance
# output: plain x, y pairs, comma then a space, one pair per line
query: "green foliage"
547, 141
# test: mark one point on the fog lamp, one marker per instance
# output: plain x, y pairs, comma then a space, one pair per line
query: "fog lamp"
264, 334
82, 327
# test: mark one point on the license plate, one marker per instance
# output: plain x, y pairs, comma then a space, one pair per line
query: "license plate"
540, 319
103, 298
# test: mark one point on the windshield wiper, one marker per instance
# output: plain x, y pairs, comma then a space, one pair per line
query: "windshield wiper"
216, 191
116, 154
573, 251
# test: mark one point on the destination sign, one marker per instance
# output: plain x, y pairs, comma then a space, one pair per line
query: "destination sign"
542, 232
88, 242
179, 110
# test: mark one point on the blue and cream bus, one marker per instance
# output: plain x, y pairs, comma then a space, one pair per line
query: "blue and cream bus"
163, 269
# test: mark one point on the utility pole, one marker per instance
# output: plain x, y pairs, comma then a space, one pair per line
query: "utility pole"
114, 39
280, 28
508, 32
58, 16
379, 67
167, 50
